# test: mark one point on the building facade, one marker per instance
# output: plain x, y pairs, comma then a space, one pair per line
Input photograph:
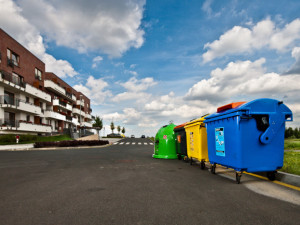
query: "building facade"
33, 100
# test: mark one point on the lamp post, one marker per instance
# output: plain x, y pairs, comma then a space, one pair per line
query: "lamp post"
80, 115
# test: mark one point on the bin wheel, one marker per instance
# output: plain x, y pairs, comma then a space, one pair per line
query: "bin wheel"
213, 168
186, 159
238, 177
202, 165
271, 175
179, 156
191, 161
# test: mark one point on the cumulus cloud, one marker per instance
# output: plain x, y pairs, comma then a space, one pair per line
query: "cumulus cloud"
129, 116
241, 39
95, 90
109, 26
14, 23
96, 60
244, 79
295, 69
135, 89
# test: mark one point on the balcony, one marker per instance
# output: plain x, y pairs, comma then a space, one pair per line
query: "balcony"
54, 115
88, 116
16, 104
74, 98
75, 121
54, 87
69, 118
13, 81
78, 102
61, 104
21, 125
41, 128
37, 93
78, 112
86, 124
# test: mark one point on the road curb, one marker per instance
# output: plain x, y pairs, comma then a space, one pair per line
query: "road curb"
288, 178
58, 148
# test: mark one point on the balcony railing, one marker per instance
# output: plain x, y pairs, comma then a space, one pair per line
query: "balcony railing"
8, 122
50, 84
19, 104
12, 79
54, 115
37, 93
69, 118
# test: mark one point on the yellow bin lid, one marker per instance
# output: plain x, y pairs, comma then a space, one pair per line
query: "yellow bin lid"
198, 121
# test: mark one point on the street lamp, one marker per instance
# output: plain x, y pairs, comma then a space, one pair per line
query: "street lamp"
80, 115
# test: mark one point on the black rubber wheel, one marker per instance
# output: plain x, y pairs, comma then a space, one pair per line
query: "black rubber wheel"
271, 175
238, 178
202, 165
179, 156
213, 169
191, 161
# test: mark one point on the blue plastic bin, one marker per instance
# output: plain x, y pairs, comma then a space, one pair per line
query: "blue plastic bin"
248, 136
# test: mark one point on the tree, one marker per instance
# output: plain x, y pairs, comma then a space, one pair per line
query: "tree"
112, 127
123, 130
119, 129
98, 124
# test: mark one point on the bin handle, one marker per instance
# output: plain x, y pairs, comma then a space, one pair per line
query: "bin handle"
275, 122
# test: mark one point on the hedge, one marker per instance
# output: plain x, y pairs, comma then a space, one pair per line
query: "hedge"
69, 143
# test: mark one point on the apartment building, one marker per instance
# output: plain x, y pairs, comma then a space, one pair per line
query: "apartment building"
33, 101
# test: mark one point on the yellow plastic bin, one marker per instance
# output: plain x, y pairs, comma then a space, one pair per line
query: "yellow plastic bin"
196, 139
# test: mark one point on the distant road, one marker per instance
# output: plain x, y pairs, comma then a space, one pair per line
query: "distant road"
123, 184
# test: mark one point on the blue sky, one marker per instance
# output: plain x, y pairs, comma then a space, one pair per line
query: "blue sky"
144, 63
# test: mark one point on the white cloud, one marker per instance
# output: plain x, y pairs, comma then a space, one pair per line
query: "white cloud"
129, 116
135, 89
245, 79
14, 23
95, 90
109, 26
263, 34
206, 7
96, 60
296, 67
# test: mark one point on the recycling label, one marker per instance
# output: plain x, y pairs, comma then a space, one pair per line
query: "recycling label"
220, 141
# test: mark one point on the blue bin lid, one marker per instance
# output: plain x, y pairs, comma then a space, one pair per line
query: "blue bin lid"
262, 106
276, 111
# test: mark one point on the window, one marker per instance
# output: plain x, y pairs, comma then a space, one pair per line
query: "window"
38, 74
13, 58
9, 98
9, 119
27, 99
28, 118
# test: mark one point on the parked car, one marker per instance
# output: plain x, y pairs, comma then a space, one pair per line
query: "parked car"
132, 136
143, 136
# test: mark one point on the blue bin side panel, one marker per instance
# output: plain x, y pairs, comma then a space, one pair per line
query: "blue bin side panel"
243, 149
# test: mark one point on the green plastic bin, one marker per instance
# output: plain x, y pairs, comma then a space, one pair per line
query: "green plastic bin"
165, 144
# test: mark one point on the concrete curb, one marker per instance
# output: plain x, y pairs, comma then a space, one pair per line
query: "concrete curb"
58, 148
288, 178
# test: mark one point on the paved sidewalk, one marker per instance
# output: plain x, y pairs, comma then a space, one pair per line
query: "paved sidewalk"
15, 147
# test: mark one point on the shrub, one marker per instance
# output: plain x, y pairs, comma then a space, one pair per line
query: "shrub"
69, 143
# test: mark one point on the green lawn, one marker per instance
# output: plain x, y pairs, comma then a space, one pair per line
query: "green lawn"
10, 139
291, 162
291, 144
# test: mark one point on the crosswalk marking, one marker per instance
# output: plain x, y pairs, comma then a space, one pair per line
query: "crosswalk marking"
121, 143
139, 143
133, 143
127, 143
145, 143
151, 143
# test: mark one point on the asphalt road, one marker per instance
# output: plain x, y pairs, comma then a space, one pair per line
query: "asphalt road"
123, 184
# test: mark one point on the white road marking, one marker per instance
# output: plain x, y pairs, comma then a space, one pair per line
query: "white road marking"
121, 143
127, 143
116, 143
145, 143
139, 143
133, 143
151, 143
